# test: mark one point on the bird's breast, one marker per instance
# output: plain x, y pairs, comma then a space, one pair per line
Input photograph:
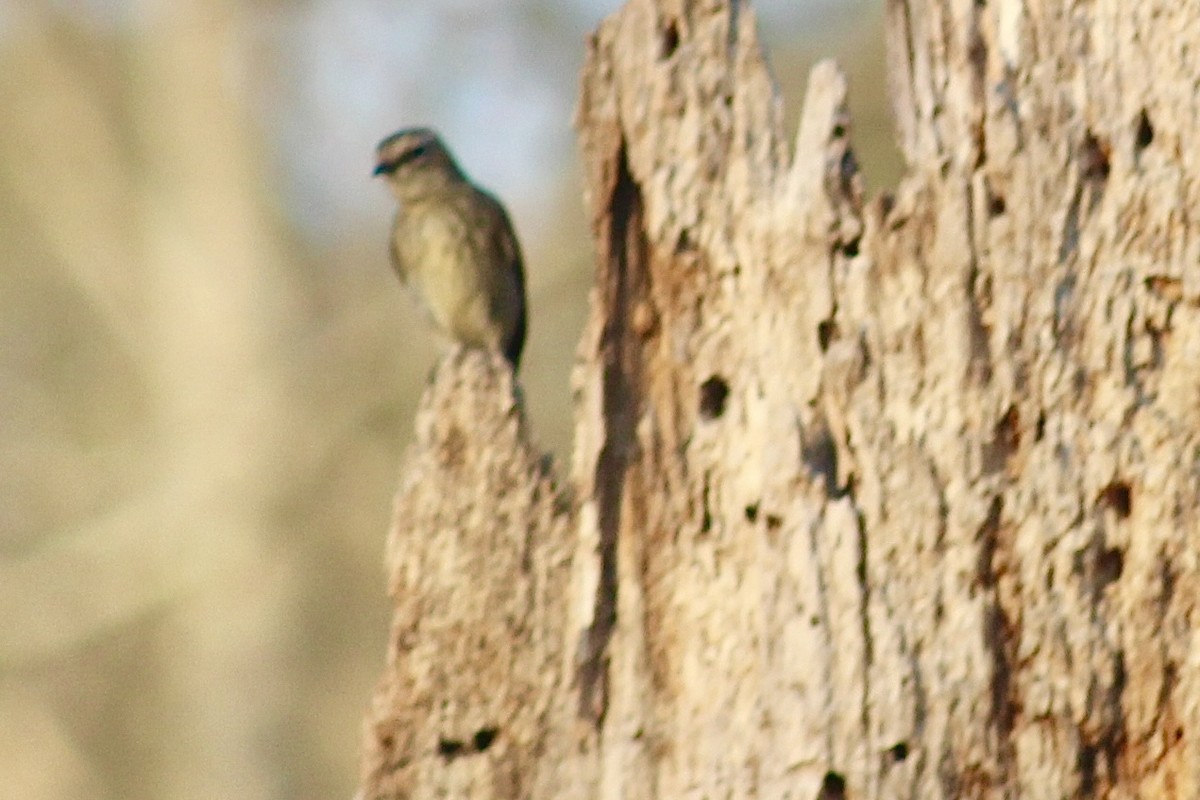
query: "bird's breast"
439, 256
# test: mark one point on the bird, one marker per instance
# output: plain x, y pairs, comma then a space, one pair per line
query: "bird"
454, 245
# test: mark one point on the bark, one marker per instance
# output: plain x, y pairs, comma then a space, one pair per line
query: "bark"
893, 498
478, 560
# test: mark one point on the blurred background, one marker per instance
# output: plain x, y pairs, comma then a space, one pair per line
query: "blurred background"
208, 372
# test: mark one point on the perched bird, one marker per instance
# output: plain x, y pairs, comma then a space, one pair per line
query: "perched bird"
453, 243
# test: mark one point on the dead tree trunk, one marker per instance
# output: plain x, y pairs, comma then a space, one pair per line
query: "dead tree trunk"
888, 499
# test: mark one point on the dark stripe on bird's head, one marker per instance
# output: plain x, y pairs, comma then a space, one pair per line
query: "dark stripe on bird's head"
411, 143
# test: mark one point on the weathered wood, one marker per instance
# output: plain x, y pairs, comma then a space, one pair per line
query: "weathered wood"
894, 498
478, 561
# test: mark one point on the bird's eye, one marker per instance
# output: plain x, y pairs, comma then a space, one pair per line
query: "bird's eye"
411, 155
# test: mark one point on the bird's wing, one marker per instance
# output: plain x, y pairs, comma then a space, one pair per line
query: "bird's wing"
507, 249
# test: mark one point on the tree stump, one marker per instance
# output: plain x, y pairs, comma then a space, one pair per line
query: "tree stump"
886, 498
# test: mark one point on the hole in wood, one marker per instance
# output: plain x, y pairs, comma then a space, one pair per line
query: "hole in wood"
684, 242
752, 513
1119, 497
1086, 766
820, 454
714, 393
1094, 158
449, 748
1145, 131
670, 40
833, 787
1109, 565
484, 737
996, 205
898, 752
825, 333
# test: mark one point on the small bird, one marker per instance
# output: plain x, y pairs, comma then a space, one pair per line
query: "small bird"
454, 245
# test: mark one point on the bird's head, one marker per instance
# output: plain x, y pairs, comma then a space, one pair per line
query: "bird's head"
415, 162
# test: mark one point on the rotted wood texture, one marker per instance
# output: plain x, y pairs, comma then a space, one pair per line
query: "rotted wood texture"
887, 498
478, 562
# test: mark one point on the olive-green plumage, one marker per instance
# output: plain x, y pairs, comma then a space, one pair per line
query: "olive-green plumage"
454, 245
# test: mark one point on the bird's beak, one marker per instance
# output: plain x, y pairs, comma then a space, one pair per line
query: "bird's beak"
382, 169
